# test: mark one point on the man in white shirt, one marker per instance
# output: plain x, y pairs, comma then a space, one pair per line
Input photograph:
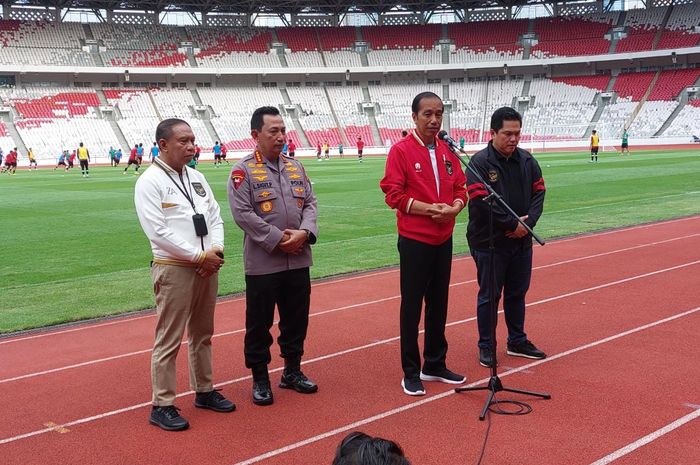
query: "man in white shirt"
182, 220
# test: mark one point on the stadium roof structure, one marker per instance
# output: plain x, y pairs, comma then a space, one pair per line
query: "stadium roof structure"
335, 7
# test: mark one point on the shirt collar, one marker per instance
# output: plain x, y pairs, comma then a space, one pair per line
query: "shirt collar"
420, 141
167, 167
499, 156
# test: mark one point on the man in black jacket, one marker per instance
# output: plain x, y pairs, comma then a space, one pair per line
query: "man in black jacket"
517, 177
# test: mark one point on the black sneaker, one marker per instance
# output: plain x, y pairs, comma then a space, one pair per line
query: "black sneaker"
443, 376
168, 418
485, 359
526, 349
295, 379
213, 400
262, 393
413, 386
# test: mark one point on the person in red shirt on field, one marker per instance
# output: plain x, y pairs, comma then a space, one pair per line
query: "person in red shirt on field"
224, 151
71, 160
133, 160
11, 162
360, 147
423, 182
291, 148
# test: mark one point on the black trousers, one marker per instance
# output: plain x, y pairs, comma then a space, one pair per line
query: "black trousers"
84, 165
425, 275
290, 291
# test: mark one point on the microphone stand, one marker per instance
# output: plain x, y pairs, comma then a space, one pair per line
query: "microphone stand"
494, 384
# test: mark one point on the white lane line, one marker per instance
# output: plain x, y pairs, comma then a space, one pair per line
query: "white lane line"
340, 353
624, 230
621, 452
450, 392
371, 302
340, 280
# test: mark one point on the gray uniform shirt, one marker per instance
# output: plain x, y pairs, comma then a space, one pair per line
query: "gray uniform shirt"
267, 197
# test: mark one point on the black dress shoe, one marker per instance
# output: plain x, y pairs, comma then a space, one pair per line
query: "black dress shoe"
295, 379
213, 400
262, 393
168, 418
485, 358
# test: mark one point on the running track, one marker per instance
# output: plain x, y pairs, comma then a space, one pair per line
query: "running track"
617, 312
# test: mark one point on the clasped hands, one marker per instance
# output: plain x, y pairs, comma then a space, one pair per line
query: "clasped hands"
442, 212
212, 263
292, 241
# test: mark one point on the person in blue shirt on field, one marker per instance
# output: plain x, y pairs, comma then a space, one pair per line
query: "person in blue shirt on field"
112, 153
117, 157
154, 152
217, 154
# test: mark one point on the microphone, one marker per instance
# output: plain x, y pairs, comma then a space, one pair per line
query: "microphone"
442, 135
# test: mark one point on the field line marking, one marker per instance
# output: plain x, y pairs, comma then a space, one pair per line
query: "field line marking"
372, 302
621, 452
622, 202
450, 392
355, 349
348, 278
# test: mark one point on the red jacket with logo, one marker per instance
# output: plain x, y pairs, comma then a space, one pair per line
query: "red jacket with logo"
409, 176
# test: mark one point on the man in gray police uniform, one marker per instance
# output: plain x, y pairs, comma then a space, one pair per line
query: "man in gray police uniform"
272, 202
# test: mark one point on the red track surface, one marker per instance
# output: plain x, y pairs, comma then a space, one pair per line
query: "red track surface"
618, 313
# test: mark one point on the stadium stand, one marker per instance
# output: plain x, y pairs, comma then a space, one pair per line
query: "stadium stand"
642, 27
132, 45
395, 100
233, 107
651, 117
476, 42
559, 107
687, 123
347, 105
680, 28
42, 43
233, 47
6, 142
402, 45
558, 110
671, 83
572, 36
633, 85
614, 118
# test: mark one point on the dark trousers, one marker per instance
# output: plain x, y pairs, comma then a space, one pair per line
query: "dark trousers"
513, 272
84, 165
290, 291
425, 275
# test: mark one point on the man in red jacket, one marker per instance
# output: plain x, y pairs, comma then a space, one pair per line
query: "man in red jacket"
424, 183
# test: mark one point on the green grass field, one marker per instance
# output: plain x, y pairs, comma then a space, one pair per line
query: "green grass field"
73, 248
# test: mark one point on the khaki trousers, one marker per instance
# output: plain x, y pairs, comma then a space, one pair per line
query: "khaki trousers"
183, 299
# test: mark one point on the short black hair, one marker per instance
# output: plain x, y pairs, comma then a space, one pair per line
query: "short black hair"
504, 114
256, 121
404, 133
165, 128
358, 448
594, 131
415, 106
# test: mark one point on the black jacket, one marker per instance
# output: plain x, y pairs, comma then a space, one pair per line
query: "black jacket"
519, 181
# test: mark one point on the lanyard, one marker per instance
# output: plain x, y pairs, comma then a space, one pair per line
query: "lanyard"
181, 189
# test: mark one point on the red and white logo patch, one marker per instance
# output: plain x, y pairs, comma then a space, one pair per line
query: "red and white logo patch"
237, 177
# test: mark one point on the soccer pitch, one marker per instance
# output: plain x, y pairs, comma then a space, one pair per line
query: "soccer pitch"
73, 248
